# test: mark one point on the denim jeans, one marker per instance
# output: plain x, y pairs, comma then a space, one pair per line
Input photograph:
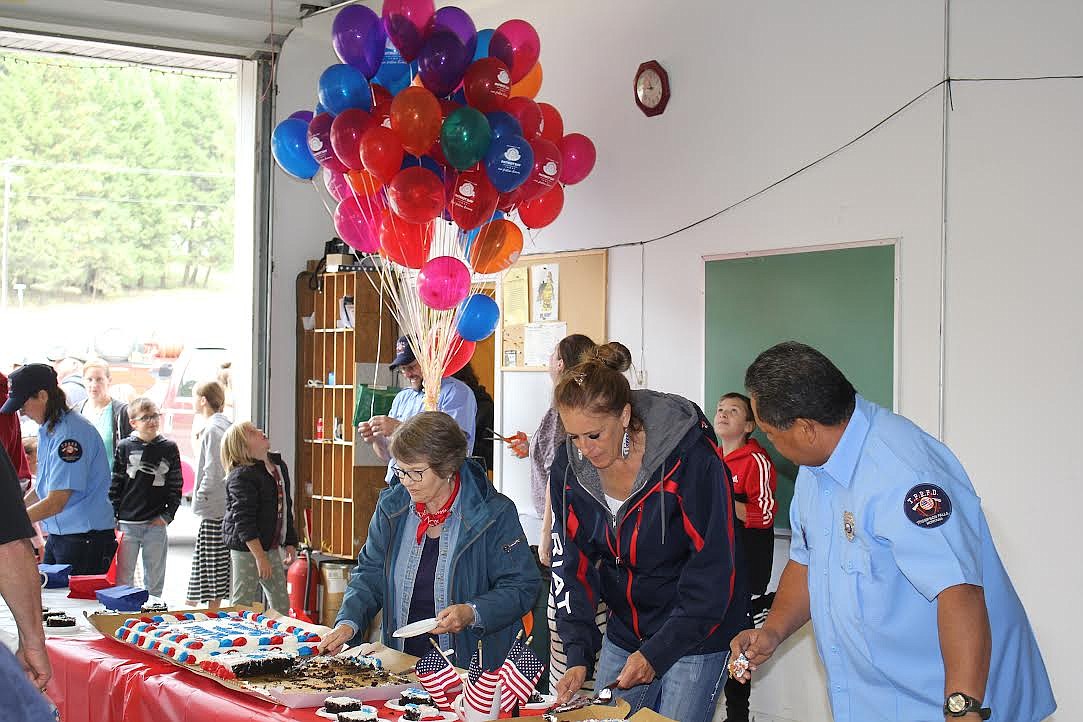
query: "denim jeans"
687, 692
153, 540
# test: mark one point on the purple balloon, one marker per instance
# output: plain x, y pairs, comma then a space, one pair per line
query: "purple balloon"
455, 20
358, 37
405, 22
305, 115
442, 63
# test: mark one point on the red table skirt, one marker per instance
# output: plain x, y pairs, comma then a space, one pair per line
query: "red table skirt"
101, 681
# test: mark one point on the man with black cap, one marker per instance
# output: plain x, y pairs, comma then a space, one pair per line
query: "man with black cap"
456, 400
74, 473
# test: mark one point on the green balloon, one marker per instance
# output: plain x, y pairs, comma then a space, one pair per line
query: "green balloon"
464, 137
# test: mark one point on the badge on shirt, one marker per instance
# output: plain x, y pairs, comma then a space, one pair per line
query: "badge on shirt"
70, 451
848, 525
927, 506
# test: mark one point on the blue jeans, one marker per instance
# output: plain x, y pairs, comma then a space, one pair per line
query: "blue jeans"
687, 692
153, 540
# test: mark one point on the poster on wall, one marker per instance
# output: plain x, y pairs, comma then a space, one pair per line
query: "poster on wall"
516, 297
539, 340
544, 292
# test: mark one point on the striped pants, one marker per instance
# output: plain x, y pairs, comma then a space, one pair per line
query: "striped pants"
558, 660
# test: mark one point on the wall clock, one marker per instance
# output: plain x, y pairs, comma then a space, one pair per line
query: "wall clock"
651, 88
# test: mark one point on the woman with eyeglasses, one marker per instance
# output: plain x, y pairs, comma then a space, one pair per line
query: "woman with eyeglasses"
146, 493
258, 525
443, 544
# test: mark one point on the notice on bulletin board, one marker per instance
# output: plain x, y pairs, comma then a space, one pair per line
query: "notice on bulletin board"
545, 292
516, 305
539, 340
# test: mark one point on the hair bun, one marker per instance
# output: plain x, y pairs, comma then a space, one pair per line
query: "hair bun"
614, 355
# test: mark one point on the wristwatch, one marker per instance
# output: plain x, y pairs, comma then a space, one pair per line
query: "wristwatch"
959, 704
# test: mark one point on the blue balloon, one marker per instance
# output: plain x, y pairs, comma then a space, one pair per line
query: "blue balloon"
394, 73
343, 87
482, 50
320, 109
509, 162
477, 317
289, 145
459, 96
503, 123
413, 161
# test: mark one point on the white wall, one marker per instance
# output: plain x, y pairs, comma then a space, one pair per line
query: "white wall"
760, 90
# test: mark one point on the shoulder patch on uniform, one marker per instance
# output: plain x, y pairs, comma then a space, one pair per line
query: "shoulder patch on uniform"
69, 451
927, 506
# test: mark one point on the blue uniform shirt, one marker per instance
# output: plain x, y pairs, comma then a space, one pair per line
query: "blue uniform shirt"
456, 400
885, 525
72, 456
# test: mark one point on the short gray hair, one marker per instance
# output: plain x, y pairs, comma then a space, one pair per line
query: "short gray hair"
432, 437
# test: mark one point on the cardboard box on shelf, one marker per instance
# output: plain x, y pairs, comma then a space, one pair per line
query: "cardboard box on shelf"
335, 576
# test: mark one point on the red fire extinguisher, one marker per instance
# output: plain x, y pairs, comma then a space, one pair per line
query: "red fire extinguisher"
304, 575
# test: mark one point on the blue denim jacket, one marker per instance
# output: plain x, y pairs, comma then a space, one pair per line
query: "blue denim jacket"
484, 560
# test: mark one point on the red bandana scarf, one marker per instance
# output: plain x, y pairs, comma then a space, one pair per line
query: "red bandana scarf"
435, 518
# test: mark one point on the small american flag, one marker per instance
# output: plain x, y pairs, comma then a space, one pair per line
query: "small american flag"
520, 674
481, 687
438, 678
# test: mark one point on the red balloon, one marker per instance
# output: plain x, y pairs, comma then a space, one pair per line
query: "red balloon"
379, 94
462, 352
346, 131
487, 84
508, 201
381, 152
527, 112
381, 111
319, 142
552, 124
416, 194
473, 201
544, 209
546, 169
577, 158
407, 244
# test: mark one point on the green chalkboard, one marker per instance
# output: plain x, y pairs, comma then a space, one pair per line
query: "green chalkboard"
841, 302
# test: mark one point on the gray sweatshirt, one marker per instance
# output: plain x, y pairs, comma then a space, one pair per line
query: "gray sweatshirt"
209, 496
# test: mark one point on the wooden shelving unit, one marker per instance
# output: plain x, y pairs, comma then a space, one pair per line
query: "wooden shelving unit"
338, 483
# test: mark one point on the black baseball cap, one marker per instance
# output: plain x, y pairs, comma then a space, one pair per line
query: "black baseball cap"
26, 381
404, 355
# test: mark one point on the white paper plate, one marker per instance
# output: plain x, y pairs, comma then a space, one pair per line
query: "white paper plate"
394, 704
65, 631
414, 629
321, 712
548, 700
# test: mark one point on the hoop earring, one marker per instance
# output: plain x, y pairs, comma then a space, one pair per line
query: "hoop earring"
625, 444
579, 453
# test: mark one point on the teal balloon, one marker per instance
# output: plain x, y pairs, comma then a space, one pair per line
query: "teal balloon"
477, 318
289, 145
464, 137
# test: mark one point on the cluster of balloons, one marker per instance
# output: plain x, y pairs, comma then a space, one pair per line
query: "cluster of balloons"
427, 119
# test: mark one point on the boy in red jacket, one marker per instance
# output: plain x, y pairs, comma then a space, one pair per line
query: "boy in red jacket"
754, 484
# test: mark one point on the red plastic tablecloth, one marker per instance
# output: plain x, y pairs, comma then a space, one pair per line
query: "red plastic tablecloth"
101, 681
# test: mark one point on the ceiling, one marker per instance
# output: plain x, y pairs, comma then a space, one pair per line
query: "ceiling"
239, 28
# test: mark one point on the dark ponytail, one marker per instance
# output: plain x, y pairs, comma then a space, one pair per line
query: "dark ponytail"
56, 405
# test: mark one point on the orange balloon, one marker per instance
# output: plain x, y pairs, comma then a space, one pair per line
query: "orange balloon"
416, 119
497, 246
363, 182
529, 86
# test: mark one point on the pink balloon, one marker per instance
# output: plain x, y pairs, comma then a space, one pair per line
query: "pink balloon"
577, 158
336, 184
358, 223
443, 282
405, 22
516, 43
188, 475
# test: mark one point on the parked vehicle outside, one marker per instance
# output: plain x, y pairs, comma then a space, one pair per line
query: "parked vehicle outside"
173, 394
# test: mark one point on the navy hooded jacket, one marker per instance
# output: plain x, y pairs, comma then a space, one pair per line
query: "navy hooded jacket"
665, 564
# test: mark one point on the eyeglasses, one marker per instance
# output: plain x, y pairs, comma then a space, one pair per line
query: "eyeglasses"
411, 474
148, 417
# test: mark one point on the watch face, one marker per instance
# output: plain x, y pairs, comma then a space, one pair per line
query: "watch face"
956, 703
649, 88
